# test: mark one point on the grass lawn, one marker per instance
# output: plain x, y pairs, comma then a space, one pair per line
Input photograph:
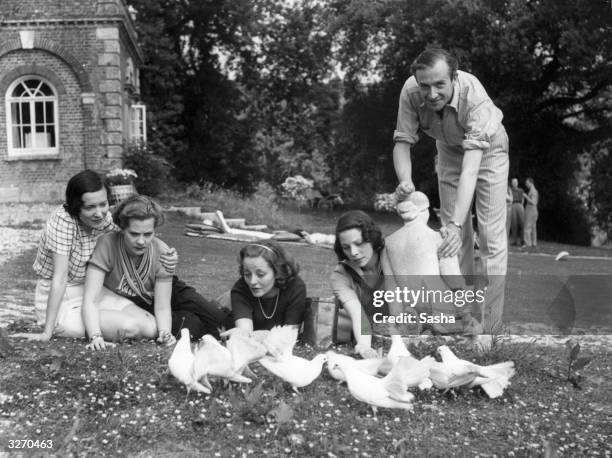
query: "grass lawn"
121, 402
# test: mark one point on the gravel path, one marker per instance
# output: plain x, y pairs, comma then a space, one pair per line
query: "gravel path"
20, 226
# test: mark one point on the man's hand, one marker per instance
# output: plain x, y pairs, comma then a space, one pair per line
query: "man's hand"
403, 190
169, 260
452, 241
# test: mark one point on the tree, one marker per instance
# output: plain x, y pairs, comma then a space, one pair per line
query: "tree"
546, 63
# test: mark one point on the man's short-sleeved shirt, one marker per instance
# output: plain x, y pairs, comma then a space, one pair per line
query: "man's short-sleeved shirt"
468, 121
66, 235
106, 257
290, 309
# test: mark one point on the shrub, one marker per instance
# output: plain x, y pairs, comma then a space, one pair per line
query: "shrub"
153, 170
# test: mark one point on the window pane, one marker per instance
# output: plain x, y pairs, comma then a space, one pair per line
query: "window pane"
19, 90
15, 113
51, 137
40, 112
49, 112
32, 84
25, 112
27, 136
17, 143
45, 89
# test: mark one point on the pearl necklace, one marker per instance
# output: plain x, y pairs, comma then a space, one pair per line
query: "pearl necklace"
273, 311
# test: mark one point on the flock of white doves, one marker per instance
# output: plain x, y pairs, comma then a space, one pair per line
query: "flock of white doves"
274, 350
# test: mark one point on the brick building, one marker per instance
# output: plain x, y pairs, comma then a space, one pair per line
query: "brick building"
68, 93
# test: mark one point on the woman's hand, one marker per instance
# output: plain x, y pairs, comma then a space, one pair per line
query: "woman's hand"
365, 351
97, 342
169, 260
166, 338
36, 336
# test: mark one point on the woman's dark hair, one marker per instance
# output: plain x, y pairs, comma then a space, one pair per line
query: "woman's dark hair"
138, 207
430, 57
370, 232
284, 266
79, 184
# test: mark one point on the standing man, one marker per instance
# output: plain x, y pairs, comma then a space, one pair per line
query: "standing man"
517, 214
453, 107
530, 236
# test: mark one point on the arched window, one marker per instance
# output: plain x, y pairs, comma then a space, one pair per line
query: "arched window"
32, 127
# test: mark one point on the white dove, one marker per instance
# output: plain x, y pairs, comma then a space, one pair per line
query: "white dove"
244, 350
493, 378
298, 372
388, 392
181, 364
397, 349
420, 375
212, 358
367, 366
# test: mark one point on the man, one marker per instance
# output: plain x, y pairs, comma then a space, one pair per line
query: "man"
530, 237
453, 107
517, 213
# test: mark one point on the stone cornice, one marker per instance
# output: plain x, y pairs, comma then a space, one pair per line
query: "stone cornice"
127, 30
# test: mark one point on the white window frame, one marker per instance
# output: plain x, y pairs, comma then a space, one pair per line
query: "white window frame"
138, 123
30, 100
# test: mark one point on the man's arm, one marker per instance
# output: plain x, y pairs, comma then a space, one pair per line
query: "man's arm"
465, 193
402, 162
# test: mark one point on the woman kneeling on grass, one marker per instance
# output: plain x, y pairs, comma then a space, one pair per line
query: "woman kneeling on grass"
66, 244
269, 291
129, 294
358, 246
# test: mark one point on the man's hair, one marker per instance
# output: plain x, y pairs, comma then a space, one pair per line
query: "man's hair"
430, 56
530, 179
79, 184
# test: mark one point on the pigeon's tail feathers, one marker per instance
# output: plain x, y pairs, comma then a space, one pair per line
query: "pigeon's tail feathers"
504, 370
396, 381
280, 341
244, 351
211, 358
495, 388
398, 348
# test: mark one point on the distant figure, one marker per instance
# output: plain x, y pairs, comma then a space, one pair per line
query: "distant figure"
530, 237
517, 216
508, 210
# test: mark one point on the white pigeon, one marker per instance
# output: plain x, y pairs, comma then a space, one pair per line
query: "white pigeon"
215, 360
388, 392
367, 366
244, 351
296, 371
493, 378
420, 376
397, 349
181, 364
